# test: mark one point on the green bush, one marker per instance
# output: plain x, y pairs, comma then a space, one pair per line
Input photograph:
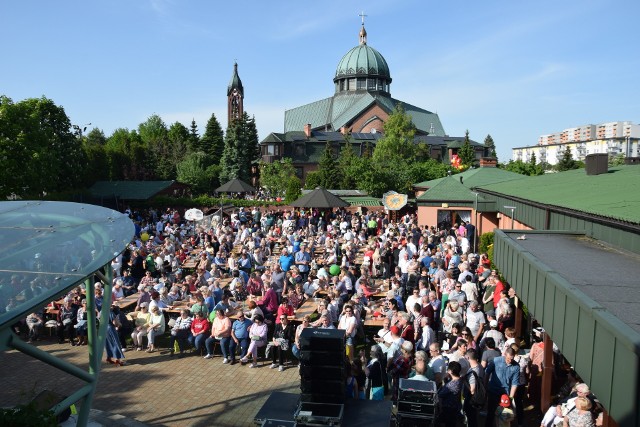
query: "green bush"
486, 241
27, 415
204, 201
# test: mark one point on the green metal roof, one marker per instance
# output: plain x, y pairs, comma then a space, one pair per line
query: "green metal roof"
615, 194
129, 190
362, 201
363, 60
339, 110
448, 189
472, 178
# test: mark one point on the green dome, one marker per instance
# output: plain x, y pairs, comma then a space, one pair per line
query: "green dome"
362, 61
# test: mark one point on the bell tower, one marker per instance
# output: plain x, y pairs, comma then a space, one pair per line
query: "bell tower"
235, 96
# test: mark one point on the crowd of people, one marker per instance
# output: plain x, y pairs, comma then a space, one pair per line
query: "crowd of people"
446, 315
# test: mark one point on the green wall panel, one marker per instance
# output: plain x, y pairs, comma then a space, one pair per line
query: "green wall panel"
584, 347
625, 396
559, 308
604, 343
571, 316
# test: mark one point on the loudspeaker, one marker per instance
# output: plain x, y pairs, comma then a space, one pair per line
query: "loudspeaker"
334, 372
322, 398
323, 387
320, 358
317, 339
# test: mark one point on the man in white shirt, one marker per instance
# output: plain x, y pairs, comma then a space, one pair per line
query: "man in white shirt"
475, 320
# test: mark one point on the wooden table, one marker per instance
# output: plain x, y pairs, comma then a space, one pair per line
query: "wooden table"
127, 302
307, 308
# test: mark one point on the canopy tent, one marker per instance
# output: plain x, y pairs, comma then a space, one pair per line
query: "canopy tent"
320, 198
236, 186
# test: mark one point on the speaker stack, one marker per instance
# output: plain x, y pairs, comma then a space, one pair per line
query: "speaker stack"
322, 366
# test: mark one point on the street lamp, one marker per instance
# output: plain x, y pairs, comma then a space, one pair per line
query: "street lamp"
513, 208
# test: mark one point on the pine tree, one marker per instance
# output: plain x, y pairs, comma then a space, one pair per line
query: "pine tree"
490, 147
212, 142
252, 139
328, 169
567, 162
347, 159
466, 152
229, 166
193, 144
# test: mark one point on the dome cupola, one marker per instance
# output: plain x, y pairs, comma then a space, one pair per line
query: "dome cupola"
362, 69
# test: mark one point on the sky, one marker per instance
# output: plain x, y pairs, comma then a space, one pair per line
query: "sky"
512, 69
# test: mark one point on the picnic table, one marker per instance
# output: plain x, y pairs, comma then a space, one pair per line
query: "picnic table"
127, 302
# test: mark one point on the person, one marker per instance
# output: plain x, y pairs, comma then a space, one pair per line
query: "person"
112, 344
348, 324
400, 366
295, 349
284, 309
503, 413
375, 373
524, 363
282, 338
420, 366
489, 352
502, 377
558, 413
239, 336
258, 337
458, 355
494, 334
200, 330
351, 384
66, 320
269, 301
81, 323
156, 327
581, 416
35, 324
475, 375
253, 310
141, 324
221, 332
475, 321
180, 332
437, 365
452, 314
449, 396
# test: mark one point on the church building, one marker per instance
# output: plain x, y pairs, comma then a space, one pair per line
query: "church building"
359, 107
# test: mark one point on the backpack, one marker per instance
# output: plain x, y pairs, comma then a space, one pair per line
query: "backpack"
478, 398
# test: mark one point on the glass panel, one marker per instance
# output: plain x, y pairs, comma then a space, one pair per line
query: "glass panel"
46, 247
362, 84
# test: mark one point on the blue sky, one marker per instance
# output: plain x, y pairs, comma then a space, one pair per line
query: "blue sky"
512, 69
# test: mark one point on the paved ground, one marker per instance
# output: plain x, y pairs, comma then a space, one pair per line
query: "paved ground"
154, 389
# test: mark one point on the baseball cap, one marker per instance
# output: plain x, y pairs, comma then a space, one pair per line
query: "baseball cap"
395, 330
505, 402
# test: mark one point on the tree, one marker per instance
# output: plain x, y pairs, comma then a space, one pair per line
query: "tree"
239, 147
567, 162
396, 147
179, 137
328, 169
292, 191
126, 156
38, 151
466, 152
198, 170
275, 177
490, 147
154, 135
534, 167
94, 146
253, 145
346, 162
212, 142
194, 138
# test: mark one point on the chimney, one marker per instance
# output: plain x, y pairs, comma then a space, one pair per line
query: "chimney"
307, 130
488, 162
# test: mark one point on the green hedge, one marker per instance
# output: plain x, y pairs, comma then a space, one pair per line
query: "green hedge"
486, 241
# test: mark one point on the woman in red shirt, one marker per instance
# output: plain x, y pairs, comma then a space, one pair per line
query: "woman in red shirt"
200, 331
284, 308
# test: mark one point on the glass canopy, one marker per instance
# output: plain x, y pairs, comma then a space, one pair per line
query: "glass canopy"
48, 247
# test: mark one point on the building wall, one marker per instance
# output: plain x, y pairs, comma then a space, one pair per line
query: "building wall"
362, 123
552, 153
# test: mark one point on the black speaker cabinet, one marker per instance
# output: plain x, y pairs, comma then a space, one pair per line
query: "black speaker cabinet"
323, 387
320, 372
327, 340
322, 398
321, 358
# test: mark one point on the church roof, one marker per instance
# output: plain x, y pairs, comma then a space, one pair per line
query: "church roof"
363, 60
235, 82
339, 110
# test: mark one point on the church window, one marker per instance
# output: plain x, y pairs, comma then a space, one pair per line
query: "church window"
352, 84
362, 84
371, 84
341, 85
380, 84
